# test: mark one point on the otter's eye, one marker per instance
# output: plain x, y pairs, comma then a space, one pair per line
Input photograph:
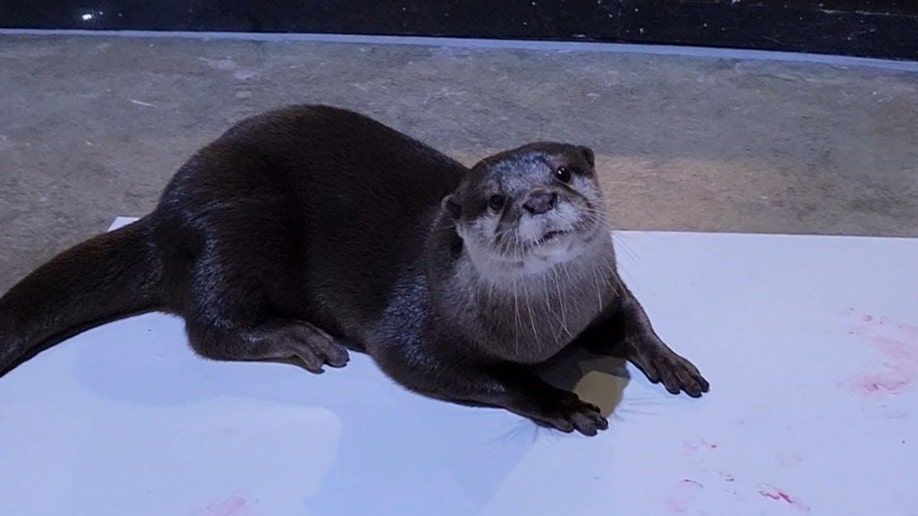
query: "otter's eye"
563, 174
496, 202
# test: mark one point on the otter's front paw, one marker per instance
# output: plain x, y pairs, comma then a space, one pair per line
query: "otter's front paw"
676, 373
565, 411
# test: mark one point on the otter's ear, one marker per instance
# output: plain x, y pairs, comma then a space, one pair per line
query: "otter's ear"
451, 205
588, 155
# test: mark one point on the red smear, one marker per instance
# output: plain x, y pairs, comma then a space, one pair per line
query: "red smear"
902, 355
233, 506
776, 494
882, 383
690, 483
899, 344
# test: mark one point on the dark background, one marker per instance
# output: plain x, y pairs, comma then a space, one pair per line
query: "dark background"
867, 28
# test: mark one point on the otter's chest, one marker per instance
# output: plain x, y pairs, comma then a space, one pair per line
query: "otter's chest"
534, 324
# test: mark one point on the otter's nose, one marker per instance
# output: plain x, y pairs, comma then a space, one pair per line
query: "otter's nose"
540, 202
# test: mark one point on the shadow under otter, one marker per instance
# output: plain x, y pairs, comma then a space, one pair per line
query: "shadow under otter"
311, 230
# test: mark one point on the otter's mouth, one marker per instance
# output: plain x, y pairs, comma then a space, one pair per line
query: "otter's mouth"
550, 236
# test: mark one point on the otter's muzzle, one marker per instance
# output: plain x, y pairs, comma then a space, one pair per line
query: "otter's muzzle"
540, 202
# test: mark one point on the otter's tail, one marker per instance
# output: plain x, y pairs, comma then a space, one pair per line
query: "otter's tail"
108, 277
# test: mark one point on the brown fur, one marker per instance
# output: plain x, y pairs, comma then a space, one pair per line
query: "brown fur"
311, 229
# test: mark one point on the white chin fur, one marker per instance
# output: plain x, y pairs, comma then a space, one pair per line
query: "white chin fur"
539, 259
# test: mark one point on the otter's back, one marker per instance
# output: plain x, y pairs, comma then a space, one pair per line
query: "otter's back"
359, 196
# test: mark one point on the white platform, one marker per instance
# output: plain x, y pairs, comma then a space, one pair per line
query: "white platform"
810, 344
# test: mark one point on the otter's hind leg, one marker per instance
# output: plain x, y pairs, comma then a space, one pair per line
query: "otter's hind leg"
233, 328
274, 339
237, 286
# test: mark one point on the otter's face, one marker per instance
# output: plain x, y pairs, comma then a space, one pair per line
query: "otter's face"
526, 210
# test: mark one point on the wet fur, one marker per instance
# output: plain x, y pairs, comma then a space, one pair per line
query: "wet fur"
312, 229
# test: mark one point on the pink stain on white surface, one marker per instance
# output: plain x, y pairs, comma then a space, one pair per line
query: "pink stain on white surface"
897, 343
891, 382
777, 494
232, 506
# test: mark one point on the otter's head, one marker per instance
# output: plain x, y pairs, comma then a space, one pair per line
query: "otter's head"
526, 210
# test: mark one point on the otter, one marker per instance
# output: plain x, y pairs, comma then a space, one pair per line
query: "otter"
311, 231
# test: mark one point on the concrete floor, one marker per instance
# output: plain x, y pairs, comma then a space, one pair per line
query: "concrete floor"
93, 127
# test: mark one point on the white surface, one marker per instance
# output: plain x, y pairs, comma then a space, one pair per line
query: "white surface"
810, 344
